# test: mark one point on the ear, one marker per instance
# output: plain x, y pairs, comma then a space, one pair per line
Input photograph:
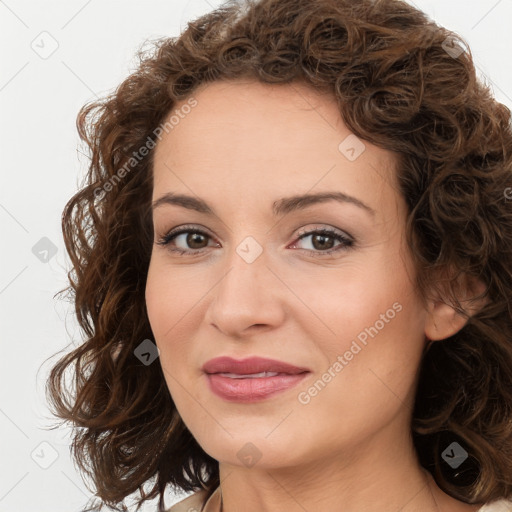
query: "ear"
445, 318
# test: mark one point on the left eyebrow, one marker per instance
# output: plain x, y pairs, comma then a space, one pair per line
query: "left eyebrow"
288, 204
279, 207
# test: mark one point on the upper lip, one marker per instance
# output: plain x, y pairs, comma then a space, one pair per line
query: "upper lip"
250, 365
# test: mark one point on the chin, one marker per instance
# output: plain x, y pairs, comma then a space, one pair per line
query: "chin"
254, 448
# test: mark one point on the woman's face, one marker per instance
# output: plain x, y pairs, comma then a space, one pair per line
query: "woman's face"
340, 304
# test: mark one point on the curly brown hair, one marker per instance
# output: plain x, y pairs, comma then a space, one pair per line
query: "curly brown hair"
398, 86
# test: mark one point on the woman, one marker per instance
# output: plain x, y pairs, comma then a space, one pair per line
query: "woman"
292, 260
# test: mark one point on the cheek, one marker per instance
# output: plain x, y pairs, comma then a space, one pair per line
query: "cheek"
175, 299
370, 363
170, 295
156, 299
346, 301
372, 318
164, 312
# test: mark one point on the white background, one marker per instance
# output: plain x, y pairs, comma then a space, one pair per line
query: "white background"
40, 171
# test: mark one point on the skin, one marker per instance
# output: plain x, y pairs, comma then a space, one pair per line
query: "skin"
242, 147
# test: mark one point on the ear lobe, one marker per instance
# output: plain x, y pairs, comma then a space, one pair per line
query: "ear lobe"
444, 319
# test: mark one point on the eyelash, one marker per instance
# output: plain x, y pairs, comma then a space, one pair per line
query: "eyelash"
346, 241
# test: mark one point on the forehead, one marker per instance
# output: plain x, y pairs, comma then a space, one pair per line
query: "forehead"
255, 140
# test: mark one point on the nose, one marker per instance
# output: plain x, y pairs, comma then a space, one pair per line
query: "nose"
247, 298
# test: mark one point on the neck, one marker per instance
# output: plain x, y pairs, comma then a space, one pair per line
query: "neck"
372, 476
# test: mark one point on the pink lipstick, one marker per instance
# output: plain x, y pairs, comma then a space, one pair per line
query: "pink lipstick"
252, 379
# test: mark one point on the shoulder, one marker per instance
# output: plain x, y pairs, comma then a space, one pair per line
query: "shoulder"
193, 503
497, 506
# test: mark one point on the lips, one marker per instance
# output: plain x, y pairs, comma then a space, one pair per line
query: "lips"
251, 367
251, 380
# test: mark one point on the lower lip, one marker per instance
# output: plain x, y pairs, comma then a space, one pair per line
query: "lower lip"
251, 390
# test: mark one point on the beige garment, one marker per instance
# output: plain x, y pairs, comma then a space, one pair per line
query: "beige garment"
194, 503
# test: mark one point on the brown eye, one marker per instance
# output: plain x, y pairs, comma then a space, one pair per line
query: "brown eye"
323, 241
194, 240
186, 240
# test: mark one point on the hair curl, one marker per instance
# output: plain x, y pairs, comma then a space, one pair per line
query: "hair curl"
396, 86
